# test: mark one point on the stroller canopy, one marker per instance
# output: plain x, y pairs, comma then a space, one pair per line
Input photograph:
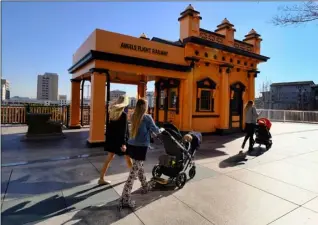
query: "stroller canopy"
266, 122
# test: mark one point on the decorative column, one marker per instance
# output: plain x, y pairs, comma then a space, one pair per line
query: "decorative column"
97, 109
142, 87
186, 87
75, 104
251, 74
224, 97
107, 97
82, 102
157, 97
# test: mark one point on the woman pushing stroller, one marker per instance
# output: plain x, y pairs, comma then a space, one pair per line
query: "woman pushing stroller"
251, 116
141, 126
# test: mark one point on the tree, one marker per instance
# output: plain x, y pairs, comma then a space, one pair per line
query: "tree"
265, 98
296, 14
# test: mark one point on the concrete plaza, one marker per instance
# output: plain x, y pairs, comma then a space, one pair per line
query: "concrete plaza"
54, 182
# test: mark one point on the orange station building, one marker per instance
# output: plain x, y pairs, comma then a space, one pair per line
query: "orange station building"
202, 81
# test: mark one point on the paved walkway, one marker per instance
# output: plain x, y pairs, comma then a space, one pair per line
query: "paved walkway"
57, 184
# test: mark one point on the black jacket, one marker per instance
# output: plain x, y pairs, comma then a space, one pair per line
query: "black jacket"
117, 133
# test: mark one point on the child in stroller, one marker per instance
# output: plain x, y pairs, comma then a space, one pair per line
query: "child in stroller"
179, 155
263, 135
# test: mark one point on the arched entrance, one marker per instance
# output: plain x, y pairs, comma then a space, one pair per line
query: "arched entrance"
236, 105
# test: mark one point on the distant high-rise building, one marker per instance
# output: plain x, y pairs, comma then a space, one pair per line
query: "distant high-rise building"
150, 98
291, 95
5, 89
132, 102
314, 97
62, 100
48, 85
115, 94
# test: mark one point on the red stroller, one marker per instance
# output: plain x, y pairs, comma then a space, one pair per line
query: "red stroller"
263, 135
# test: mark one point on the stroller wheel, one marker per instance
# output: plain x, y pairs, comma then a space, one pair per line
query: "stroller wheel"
156, 171
268, 146
181, 179
192, 172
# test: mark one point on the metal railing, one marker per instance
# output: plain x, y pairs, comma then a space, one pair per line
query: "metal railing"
290, 115
13, 115
17, 114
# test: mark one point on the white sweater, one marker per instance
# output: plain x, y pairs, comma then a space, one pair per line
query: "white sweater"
251, 115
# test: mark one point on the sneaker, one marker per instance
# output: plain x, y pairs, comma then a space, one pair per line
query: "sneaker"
103, 182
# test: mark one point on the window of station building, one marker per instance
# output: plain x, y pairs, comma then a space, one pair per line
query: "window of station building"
206, 101
162, 99
172, 98
205, 95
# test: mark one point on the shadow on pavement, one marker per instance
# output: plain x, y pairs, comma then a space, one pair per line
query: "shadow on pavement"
109, 214
14, 141
23, 186
240, 158
233, 161
64, 172
45, 178
52, 206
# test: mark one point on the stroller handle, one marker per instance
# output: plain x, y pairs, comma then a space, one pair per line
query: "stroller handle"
183, 148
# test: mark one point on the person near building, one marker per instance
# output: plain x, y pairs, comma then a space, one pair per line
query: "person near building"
117, 135
141, 126
251, 116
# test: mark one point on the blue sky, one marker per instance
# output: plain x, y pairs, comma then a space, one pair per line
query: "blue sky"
40, 37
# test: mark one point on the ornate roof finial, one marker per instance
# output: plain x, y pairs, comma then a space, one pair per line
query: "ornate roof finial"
225, 24
143, 36
225, 21
189, 7
252, 32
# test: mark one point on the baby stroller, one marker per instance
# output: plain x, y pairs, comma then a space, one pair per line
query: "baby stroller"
263, 135
179, 156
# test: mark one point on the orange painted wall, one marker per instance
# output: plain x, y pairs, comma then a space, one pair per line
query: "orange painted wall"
83, 70
201, 71
212, 72
205, 124
88, 44
188, 118
111, 42
161, 115
138, 70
